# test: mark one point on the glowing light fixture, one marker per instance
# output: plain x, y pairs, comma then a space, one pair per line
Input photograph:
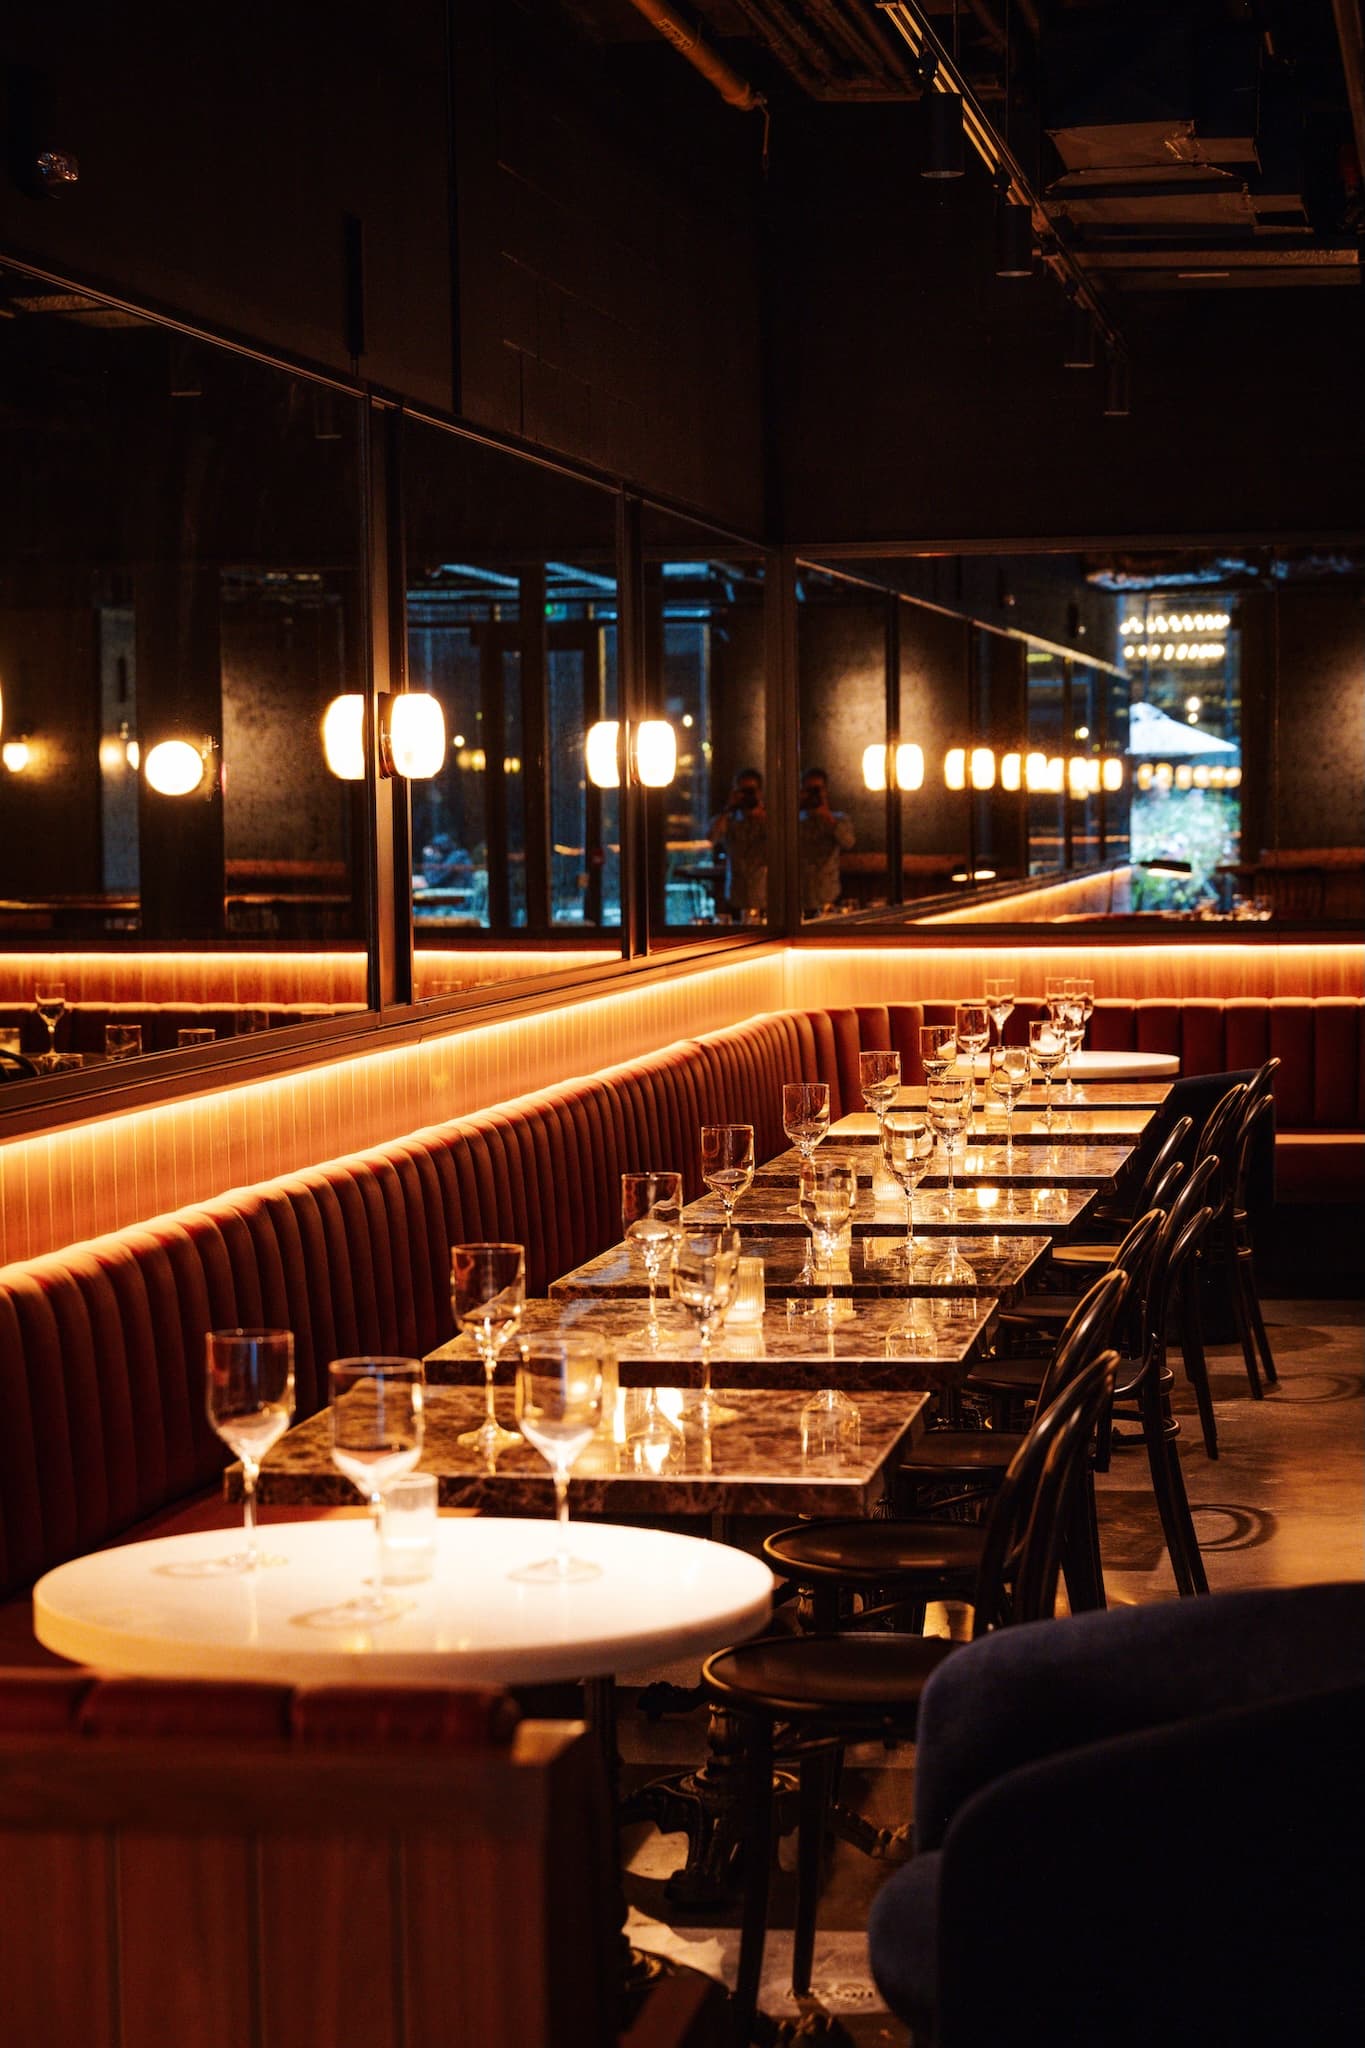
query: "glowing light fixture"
175, 767
1035, 774
983, 768
15, 755
343, 737
1111, 772
905, 762
1077, 775
1011, 771
413, 731
1056, 775
874, 767
602, 753
909, 765
655, 753
955, 768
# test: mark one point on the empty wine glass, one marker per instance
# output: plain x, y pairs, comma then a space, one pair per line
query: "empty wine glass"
559, 1407
49, 999
1070, 1022
487, 1295
702, 1278
828, 1190
1008, 1080
727, 1162
1000, 1003
805, 1114
1046, 1051
879, 1077
377, 1408
907, 1148
937, 1049
249, 1398
948, 1108
651, 1213
973, 1024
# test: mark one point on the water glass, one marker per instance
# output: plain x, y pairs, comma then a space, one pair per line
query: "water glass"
948, 1108
1047, 1050
49, 998
651, 1215
972, 1023
122, 1041
409, 1530
487, 1295
727, 1162
559, 1407
750, 1296
1008, 1080
249, 1400
879, 1077
805, 1114
1000, 1003
702, 1279
937, 1049
907, 1148
378, 1413
196, 1034
826, 1201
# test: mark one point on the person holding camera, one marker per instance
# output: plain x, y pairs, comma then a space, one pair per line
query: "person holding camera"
822, 835
740, 836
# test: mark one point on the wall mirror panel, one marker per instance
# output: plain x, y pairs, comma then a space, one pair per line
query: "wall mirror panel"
181, 561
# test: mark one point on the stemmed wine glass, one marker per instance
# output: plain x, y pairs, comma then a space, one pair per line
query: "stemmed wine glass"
937, 1050
1008, 1081
559, 1407
1046, 1051
973, 1021
651, 1215
907, 1148
1070, 1022
828, 1190
879, 1077
487, 1294
49, 998
948, 1108
249, 1397
377, 1416
805, 1114
703, 1277
727, 1163
1000, 1003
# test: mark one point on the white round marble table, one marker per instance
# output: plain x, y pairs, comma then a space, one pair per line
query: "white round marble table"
145, 1608
1124, 1066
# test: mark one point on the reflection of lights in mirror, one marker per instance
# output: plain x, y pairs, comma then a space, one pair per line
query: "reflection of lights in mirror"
16, 755
175, 767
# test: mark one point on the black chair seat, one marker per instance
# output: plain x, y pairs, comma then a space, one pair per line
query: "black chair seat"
876, 1552
950, 1453
1019, 1376
860, 1681
1082, 1254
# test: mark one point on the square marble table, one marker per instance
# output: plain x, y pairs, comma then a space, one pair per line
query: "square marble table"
1065, 1127
657, 1457
768, 1211
1027, 1166
959, 1265
878, 1346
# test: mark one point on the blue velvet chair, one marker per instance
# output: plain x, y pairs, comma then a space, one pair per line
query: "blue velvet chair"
1140, 1827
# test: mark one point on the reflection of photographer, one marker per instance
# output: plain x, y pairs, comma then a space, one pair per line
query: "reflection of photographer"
740, 836
822, 835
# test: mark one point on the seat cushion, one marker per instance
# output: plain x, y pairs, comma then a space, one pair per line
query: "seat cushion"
902, 1941
871, 1681
1320, 1166
877, 1551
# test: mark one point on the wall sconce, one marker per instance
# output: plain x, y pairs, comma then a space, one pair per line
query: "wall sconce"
651, 751
177, 767
874, 767
955, 768
1184, 776
906, 763
1056, 775
1035, 774
1111, 772
1077, 775
1011, 771
343, 737
983, 768
412, 736
1144, 775
16, 754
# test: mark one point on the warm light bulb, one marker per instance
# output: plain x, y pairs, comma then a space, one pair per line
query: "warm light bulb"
1184, 775
955, 768
1200, 776
909, 765
1035, 773
1011, 771
1144, 775
15, 756
601, 752
1111, 772
343, 737
656, 753
1056, 775
1163, 775
983, 768
874, 767
1077, 775
417, 735
1234, 778
174, 768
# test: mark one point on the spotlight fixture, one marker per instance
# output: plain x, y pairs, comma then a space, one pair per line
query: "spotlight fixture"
651, 753
943, 148
1078, 349
16, 754
176, 767
1116, 397
412, 736
1013, 240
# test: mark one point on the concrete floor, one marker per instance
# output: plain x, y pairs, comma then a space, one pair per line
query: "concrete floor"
1283, 1505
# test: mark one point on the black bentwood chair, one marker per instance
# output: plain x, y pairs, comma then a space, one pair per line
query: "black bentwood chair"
805, 1697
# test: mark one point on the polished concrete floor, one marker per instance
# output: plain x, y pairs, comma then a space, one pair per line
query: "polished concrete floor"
1284, 1504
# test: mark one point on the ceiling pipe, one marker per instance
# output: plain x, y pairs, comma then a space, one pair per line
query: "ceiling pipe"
687, 41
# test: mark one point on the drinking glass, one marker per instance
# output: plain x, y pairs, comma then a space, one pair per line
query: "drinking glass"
826, 1201
1000, 1003
879, 1076
1008, 1081
651, 1214
1046, 1050
196, 1034
973, 1021
559, 1406
805, 1114
49, 999
727, 1162
122, 1041
937, 1049
411, 1523
249, 1399
377, 1414
907, 1148
948, 1108
487, 1294
1070, 1022
703, 1277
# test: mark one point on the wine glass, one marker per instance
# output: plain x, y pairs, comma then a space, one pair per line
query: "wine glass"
937, 1049
879, 1076
948, 1108
727, 1163
1008, 1081
559, 1407
49, 999
1070, 1022
805, 1114
907, 1148
249, 1398
973, 1022
1000, 1003
1046, 1050
377, 1416
828, 1190
487, 1294
702, 1278
651, 1214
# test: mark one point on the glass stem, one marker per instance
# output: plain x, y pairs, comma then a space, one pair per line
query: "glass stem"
706, 1363
562, 1508
250, 1474
377, 1516
948, 1206
490, 1413
909, 1226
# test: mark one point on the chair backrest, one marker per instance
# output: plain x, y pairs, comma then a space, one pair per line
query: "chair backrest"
1021, 1557
1254, 1110
1218, 1138
1089, 1326
1170, 1154
1181, 1237
330, 1867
